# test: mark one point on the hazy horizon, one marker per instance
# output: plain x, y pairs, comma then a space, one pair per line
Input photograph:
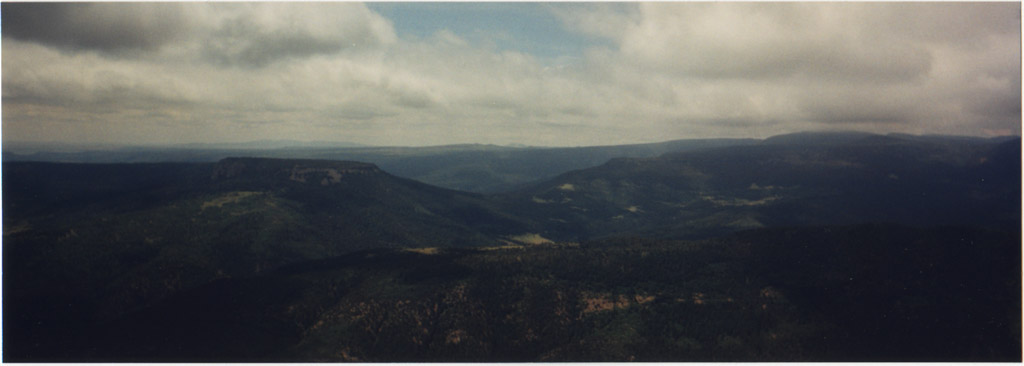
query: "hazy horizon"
536, 74
28, 146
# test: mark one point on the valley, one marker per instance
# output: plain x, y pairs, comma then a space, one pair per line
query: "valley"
468, 167
803, 247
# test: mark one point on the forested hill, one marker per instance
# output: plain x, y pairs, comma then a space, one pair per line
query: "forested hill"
803, 179
860, 293
469, 167
798, 248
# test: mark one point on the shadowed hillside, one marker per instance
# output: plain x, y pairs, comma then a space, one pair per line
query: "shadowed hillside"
475, 168
87, 243
811, 180
861, 293
808, 247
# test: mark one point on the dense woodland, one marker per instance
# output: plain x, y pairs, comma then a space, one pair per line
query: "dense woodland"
853, 248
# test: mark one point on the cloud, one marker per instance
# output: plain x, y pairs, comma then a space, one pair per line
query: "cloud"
41, 75
107, 27
256, 34
759, 41
251, 71
247, 34
914, 67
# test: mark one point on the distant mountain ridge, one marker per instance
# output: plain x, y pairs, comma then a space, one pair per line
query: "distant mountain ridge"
470, 167
324, 171
834, 137
692, 192
266, 144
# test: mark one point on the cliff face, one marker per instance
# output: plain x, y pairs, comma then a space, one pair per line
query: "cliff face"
322, 172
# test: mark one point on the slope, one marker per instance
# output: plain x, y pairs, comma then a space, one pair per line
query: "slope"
290, 259
471, 167
858, 293
784, 182
84, 243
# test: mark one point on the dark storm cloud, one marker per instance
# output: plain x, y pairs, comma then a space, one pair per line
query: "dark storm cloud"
108, 27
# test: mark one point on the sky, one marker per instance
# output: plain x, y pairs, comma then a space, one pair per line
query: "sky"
542, 74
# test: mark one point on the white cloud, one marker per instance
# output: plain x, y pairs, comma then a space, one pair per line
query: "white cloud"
886, 67
255, 34
320, 71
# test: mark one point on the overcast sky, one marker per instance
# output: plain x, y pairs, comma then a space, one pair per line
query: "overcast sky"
531, 73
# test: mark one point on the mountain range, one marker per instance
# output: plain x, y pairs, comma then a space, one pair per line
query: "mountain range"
468, 167
802, 247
